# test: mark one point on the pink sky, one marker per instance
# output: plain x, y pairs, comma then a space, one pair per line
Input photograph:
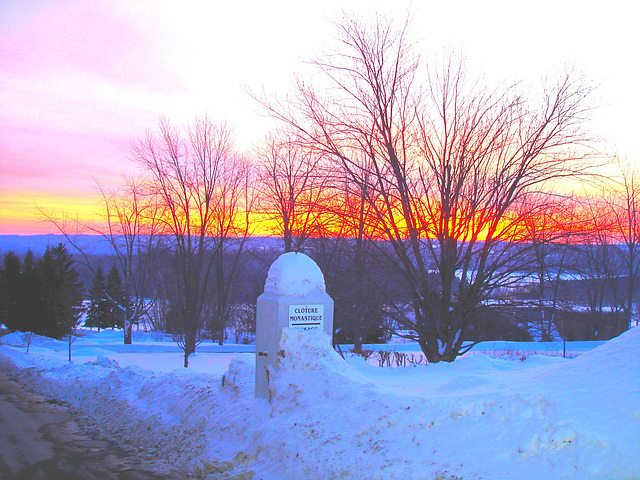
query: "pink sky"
79, 80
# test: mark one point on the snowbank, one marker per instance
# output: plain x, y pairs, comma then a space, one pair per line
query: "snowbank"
479, 417
294, 274
21, 339
327, 421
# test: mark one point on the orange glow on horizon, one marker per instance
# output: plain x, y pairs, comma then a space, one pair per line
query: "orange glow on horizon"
20, 214
25, 213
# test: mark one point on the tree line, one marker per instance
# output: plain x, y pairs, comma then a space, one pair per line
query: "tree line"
40, 296
45, 296
106, 295
455, 190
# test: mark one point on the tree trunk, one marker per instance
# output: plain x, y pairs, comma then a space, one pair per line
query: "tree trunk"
127, 329
222, 298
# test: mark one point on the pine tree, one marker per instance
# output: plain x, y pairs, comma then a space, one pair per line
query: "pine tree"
61, 293
41, 296
22, 292
31, 302
99, 312
11, 274
116, 293
4, 297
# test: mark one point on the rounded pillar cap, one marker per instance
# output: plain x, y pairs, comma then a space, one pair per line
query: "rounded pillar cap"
294, 274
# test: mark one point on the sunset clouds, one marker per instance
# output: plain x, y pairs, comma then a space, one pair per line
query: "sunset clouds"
79, 80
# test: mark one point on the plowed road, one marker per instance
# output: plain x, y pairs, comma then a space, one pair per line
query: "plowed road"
40, 439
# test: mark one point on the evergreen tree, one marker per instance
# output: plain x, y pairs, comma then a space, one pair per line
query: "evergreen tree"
23, 302
41, 296
30, 299
116, 294
99, 312
61, 293
4, 297
11, 278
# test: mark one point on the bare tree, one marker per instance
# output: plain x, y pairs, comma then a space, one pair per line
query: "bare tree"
360, 284
625, 209
131, 226
201, 184
292, 189
551, 226
72, 336
231, 230
610, 260
600, 267
28, 337
443, 163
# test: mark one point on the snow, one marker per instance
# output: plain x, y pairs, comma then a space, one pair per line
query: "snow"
294, 274
479, 417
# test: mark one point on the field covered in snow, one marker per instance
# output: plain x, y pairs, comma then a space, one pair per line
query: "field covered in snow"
482, 417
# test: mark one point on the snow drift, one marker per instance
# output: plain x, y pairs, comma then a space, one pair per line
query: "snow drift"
479, 417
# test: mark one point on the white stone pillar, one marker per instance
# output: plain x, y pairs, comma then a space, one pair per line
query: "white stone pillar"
294, 297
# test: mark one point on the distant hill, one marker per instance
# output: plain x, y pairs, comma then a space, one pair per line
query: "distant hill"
93, 244
39, 243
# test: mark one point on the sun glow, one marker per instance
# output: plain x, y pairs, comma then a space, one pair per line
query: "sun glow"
73, 98
25, 212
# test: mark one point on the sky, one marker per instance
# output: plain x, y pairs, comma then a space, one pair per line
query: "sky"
81, 80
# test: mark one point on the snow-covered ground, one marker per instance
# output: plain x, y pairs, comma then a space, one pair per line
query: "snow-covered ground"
482, 417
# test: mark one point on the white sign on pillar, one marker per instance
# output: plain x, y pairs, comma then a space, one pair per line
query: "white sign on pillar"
294, 297
306, 317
